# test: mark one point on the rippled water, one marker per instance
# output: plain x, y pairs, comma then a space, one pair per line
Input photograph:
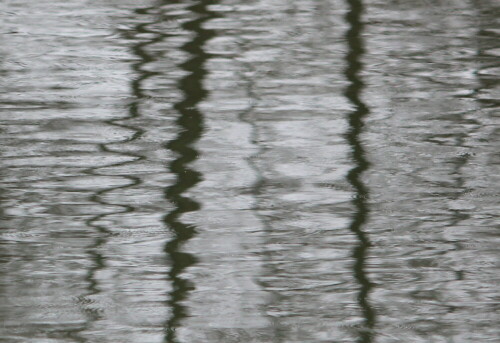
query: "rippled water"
249, 171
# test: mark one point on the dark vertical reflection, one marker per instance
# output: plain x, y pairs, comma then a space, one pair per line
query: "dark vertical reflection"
190, 122
355, 120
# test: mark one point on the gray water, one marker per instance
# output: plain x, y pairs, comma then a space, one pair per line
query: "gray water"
249, 171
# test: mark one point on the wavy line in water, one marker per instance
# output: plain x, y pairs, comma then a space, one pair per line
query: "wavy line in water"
104, 233
355, 122
190, 123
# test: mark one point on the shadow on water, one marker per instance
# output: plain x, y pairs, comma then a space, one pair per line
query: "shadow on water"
190, 123
355, 122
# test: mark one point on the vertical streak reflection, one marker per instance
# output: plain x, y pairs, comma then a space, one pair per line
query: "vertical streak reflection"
355, 121
190, 123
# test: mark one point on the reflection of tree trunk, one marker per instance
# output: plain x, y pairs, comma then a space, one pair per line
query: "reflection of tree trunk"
190, 122
360, 202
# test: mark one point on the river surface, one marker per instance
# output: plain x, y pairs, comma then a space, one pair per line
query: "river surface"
249, 171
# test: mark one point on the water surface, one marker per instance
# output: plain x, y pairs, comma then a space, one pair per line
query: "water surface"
249, 171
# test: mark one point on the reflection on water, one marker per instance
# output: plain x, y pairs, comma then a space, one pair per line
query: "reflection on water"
249, 171
190, 122
361, 196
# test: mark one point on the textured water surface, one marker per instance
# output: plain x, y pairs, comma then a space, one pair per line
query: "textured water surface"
249, 171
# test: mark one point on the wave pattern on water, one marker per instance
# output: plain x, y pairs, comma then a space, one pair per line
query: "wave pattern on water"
249, 171
140, 49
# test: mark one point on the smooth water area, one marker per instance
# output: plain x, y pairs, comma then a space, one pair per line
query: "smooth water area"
249, 171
